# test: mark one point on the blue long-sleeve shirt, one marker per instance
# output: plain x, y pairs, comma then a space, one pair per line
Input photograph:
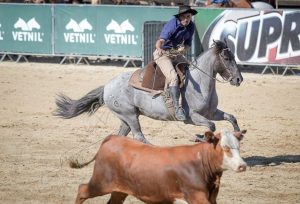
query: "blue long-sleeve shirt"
219, 1
174, 34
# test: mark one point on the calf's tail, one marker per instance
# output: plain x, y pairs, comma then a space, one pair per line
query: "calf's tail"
68, 108
74, 164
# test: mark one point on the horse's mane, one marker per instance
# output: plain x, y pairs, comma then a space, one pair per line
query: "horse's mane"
219, 46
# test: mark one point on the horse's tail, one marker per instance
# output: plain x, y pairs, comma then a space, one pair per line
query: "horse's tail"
68, 108
74, 164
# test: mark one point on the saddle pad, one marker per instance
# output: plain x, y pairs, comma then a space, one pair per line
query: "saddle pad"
136, 82
153, 77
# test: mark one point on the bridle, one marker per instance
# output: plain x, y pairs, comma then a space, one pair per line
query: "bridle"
227, 78
228, 75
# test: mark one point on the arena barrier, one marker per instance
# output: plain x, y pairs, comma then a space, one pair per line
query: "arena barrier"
269, 38
114, 32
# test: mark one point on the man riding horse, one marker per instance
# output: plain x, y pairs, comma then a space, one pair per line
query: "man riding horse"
127, 98
176, 34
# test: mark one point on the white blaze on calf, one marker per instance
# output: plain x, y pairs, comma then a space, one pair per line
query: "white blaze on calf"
230, 143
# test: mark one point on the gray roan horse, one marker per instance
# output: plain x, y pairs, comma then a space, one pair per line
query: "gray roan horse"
199, 95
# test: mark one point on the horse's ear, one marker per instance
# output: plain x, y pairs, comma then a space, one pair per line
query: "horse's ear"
225, 42
216, 44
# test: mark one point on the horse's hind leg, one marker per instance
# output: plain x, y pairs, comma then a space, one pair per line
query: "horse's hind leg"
137, 133
117, 198
135, 127
220, 115
124, 129
133, 122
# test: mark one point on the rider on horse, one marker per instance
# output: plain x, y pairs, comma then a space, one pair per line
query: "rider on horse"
177, 34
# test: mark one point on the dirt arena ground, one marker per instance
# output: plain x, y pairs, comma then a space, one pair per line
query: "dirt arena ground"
35, 146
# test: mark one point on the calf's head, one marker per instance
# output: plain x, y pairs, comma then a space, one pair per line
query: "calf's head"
230, 147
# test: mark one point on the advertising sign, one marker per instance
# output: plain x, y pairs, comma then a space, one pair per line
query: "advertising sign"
76, 30
264, 37
26, 29
121, 28
104, 30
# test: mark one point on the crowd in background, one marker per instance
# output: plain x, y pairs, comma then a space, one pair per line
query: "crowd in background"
117, 2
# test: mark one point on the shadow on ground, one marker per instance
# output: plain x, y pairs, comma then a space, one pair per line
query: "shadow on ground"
271, 161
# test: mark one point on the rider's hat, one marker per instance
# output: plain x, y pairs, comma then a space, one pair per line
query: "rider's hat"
185, 9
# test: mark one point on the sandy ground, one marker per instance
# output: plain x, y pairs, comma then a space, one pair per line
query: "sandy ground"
35, 146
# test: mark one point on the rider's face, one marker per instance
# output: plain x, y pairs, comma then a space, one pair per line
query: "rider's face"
185, 18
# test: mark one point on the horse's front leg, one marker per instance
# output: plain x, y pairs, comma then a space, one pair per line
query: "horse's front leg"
220, 115
200, 120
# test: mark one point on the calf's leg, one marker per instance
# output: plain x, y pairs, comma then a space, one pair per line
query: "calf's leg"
117, 198
198, 197
86, 191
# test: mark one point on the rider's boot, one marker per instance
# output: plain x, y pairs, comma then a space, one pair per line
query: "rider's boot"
179, 111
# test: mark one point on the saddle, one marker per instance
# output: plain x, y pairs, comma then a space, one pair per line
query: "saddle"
152, 80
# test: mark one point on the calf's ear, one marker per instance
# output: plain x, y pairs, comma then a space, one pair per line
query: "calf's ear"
209, 135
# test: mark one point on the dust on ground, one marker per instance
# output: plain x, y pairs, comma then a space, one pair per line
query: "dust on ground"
35, 146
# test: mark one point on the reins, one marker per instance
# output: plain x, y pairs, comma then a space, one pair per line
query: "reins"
214, 78
174, 53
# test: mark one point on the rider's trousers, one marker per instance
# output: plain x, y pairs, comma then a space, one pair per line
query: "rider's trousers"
166, 66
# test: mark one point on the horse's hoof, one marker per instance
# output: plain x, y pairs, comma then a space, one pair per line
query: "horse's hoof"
147, 142
142, 139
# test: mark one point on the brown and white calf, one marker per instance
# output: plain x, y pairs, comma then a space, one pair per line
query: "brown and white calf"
189, 173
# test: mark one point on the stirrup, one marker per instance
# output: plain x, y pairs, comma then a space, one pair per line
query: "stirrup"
180, 114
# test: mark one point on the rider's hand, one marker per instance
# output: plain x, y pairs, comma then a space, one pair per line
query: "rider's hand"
160, 52
181, 49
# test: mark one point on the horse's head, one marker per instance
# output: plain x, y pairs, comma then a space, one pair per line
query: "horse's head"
226, 65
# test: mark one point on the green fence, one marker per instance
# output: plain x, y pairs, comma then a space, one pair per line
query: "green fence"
76, 30
79, 30
254, 36
104, 30
26, 29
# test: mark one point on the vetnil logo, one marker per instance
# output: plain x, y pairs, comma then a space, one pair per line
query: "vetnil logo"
1, 33
27, 31
120, 33
79, 32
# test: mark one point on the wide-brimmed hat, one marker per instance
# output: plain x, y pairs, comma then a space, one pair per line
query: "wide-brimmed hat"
185, 9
